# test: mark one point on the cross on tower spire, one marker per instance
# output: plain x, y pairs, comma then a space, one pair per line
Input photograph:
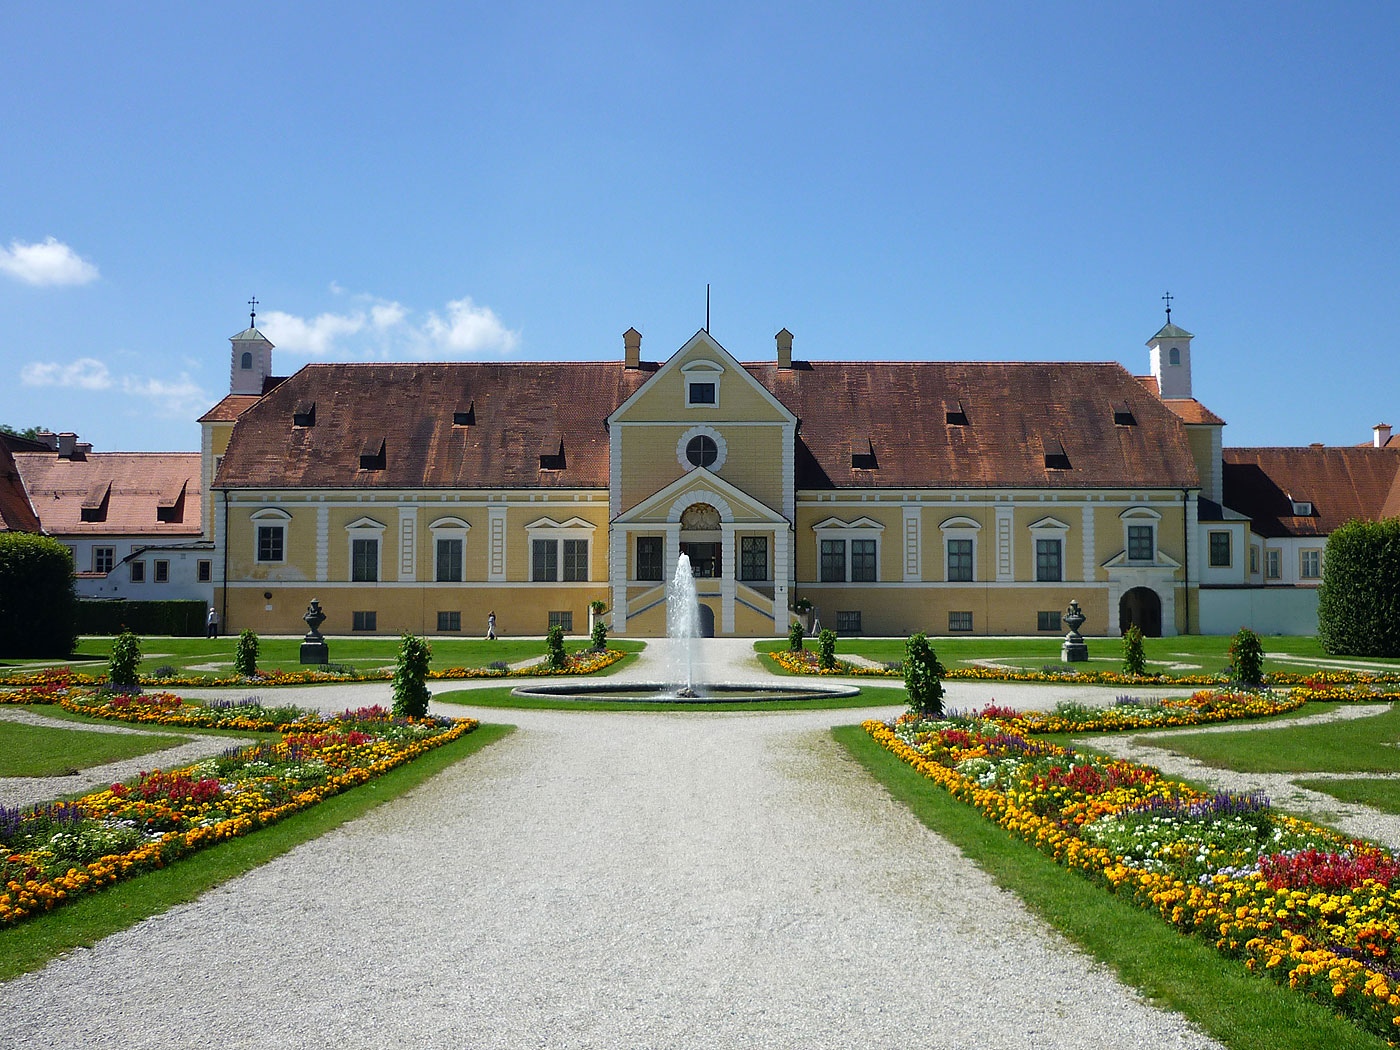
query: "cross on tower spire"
253, 312
1168, 299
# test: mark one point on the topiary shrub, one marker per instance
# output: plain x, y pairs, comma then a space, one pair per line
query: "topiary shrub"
411, 677
922, 674
826, 650
245, 654
125, 659
1134, 659
1358, 603
38, 610
1247, 657
795, 635
554, 656
600, 636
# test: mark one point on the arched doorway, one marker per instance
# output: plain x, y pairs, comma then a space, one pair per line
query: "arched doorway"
707, 621
1142, 607
700, 540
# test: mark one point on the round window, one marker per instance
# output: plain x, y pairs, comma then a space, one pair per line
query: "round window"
702, 451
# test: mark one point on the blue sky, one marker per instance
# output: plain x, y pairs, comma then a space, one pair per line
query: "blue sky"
896, 181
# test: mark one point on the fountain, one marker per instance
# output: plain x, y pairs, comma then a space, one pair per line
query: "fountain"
688, 682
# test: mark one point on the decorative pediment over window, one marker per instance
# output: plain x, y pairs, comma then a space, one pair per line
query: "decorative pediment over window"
1049, 524
366, 523
550, 523
859, 523
270, 514
449, 523
961, 521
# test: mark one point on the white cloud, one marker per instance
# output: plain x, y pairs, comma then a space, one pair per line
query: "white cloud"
470, 329
86, 373
48, 262
386, 315
315, 336
182, 398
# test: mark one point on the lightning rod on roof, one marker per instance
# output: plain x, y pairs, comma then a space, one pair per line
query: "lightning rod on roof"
707, 306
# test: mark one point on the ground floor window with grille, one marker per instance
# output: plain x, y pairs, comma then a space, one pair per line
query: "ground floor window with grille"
1047, 621
561, 619
649, 557
753, 558
848, 622
362, 621
449, 621
960, 621
206, 570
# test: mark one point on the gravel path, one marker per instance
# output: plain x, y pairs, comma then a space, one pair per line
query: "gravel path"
603, 880
1282, 788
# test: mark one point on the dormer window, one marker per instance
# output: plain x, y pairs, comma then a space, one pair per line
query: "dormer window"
954, 414
1055, 456
553, 457
1302, 508
1123, 415
372, 454
864, 458
304, 415
465, 417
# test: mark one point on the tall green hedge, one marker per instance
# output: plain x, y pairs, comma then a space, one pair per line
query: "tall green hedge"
1358, 604
184, 618
38, 610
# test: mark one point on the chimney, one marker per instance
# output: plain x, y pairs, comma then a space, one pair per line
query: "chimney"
48, 437
1380, 435
784, 339
66, 441
632, 348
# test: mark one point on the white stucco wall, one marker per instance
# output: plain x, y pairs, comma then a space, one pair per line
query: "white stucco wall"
1266, 610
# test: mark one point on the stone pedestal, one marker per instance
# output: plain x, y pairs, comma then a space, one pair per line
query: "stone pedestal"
1073, 650
314, 649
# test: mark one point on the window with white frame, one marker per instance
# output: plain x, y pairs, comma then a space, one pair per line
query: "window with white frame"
559, 550
270, 534
365, 536
1310, 564
701, 446
103, 558
701, 379
1273, 565
650, 557
960, 548
1253, 559
1048, 541
449, 549
753, 558
1140, 534
849, 552
1219, 549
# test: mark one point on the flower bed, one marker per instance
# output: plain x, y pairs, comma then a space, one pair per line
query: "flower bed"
585, 662
1297, 902
805, 662
53, 853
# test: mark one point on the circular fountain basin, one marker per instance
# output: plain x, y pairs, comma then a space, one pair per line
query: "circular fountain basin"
648, 692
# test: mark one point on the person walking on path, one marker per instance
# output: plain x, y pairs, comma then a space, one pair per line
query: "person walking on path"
212, 623
491, 626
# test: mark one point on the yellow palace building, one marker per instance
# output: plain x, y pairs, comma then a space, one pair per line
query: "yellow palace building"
893, 496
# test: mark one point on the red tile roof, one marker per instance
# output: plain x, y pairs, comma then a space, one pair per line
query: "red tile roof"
230, 408
126, 489
1016, 415
1192, 411
1342, 483
16, 513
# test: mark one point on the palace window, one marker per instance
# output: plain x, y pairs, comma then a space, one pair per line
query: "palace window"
1273, 565
1047, 621
701, 379
1141, 546
271, 540
1220, 550
162, 572
960, 561
863, 561
449, 561
364, 560
753, 558
848, 622
1310, 564
833, 567
1253, 560
701, 451
450, 621
559, 550
575, 560
103, 558
849, 551
564, 619
363, 621
138, 572
1048, 562
701, 393
649, 557
205, 570
544, 557
959, 621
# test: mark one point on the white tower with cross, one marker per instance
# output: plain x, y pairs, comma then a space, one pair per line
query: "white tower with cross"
251, 361
1170, 354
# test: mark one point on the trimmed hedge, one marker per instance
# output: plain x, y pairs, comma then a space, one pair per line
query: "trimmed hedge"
1358, 604
38, 615
185, 618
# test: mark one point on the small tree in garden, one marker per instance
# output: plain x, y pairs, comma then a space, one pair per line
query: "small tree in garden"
1358, 603
826, 649
600, 636
411, 676
1134, 659
1247, 657
922, 676
795, 635
554, 656
38, 609
125, 659
245, 654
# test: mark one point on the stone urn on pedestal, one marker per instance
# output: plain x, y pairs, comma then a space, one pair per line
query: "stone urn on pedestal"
314, 649
1074, 650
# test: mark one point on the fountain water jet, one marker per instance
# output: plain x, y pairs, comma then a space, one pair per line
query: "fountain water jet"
683, 628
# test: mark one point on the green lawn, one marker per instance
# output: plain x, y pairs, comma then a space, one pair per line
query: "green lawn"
193, 654
1180, 973
1207, 653
1359, 745
82, 923
1383, 795
46, 751
873, 696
